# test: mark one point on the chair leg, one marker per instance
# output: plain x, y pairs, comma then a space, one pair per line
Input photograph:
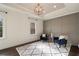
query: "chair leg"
65, 45
59, 46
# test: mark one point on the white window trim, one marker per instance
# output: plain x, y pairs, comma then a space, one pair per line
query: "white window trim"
4, 27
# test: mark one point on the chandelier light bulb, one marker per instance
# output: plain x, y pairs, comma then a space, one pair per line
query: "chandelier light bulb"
38, 9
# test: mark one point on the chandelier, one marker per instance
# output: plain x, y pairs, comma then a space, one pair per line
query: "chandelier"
38, 9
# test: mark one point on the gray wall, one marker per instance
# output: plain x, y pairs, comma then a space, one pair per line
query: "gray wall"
69, 25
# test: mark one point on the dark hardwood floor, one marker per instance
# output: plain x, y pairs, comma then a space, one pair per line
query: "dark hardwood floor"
12, 51
9, 52
74, 51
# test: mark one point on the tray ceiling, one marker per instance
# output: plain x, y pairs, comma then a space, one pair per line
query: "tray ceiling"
51, 10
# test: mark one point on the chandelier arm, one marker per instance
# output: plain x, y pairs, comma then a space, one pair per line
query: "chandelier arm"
38, 9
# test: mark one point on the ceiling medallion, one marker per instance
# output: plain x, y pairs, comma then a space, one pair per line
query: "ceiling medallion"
38, 9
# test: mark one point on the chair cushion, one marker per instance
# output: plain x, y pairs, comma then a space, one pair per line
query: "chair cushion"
63, 41
43, 35
61, 37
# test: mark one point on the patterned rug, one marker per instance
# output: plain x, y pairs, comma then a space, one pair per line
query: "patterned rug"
41, 48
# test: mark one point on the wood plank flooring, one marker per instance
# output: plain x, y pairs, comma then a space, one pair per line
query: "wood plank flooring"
12, 51
9, 52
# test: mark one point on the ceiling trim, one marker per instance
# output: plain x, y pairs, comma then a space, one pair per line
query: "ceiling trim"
69, 9
20, 11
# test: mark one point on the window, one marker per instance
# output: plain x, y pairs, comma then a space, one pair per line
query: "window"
32, 28
1, 27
